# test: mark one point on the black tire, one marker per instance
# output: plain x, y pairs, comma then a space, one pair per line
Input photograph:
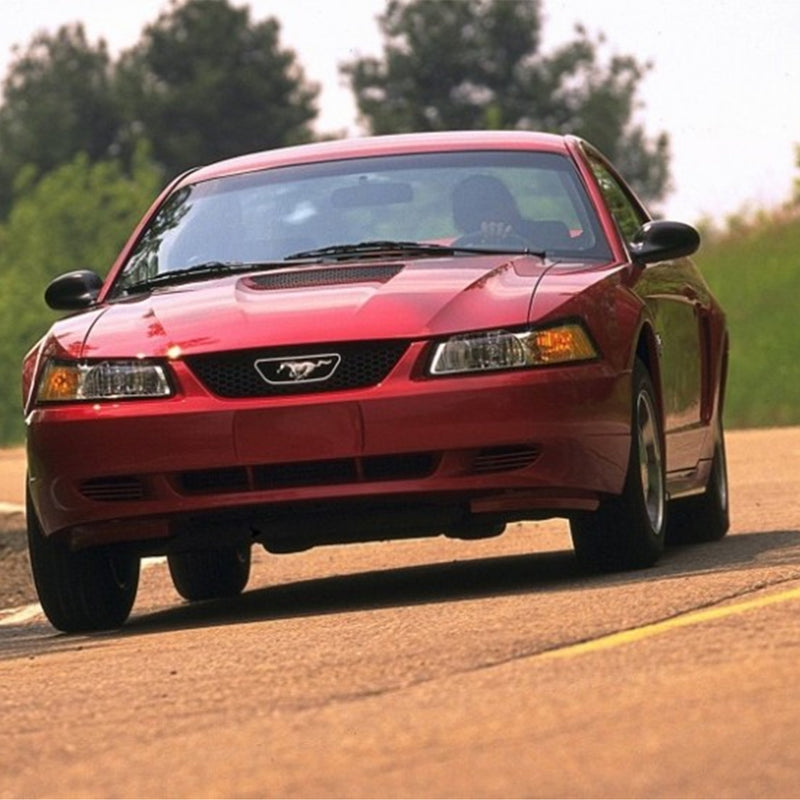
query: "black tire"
628, 531
705, 517
210, 574
81, 590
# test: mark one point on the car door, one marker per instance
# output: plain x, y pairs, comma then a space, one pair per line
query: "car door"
679, 302
676, 302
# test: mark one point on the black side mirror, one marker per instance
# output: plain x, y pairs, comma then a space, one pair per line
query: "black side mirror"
73, 291
662, 240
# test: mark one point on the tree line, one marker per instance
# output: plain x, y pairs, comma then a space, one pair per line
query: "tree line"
86, 141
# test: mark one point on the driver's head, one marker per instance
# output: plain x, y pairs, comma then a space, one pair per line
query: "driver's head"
482, 198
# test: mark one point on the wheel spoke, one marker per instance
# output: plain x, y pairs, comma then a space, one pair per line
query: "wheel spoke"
652, 478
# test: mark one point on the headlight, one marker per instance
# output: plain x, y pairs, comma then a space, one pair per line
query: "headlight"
67, 381
493, 350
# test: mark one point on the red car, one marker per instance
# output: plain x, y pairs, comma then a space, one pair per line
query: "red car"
368, 339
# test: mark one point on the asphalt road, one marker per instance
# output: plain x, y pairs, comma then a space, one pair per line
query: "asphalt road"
438, 668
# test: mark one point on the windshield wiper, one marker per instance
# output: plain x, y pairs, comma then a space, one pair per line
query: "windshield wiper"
198, 272
336, 252
378, 248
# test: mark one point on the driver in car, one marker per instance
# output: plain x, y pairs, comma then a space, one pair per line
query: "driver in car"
484, 211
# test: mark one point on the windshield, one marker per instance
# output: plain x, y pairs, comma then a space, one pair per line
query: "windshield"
520, 200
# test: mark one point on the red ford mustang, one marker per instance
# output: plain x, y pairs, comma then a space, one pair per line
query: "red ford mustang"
371, 339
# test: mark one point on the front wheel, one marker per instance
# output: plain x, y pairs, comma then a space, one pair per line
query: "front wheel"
627, 532
210, 574
81, 590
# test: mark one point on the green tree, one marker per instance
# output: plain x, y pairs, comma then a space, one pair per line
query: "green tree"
77, 216
57, 101
204, 82
467, 64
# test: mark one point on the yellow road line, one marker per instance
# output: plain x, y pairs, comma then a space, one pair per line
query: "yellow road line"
683, 621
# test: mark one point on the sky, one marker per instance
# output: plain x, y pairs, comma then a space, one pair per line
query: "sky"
724, 83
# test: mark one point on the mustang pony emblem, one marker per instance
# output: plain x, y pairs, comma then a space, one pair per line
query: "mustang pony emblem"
302, 369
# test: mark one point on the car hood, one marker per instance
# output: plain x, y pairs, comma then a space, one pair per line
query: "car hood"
317, 303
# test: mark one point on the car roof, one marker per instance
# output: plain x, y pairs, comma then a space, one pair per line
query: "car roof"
362, 147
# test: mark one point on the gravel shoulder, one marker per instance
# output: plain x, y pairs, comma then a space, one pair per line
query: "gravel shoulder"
16, 584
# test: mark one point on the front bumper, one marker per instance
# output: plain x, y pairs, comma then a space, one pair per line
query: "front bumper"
534, 441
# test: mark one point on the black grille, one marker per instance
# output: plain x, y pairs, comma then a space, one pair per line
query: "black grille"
215, 481
330, 276
504, 459
113, 489
331, 472
235, 375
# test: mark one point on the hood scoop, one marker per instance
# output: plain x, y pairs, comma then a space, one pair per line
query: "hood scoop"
327, 276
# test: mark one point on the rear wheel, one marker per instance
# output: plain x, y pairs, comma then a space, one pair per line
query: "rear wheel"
627, 532
209, 574
705, 517
81, 590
